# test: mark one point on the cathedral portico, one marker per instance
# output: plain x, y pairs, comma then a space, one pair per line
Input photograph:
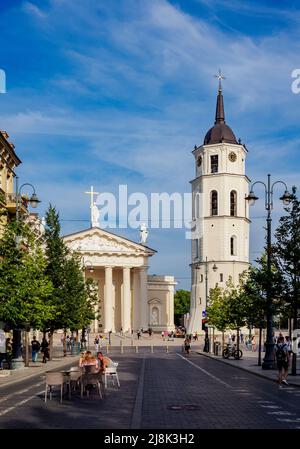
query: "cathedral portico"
119, 268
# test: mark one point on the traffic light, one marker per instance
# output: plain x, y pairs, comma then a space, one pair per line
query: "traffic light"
204, 325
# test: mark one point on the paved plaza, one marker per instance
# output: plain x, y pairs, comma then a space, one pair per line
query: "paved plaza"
159, 390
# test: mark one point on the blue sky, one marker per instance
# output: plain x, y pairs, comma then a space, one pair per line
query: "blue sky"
118, 92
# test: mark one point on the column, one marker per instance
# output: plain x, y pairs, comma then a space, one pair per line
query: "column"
136, 300
108, 312
126, 309
144, 313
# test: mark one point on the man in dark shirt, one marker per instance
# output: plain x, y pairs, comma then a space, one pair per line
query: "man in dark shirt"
35, 347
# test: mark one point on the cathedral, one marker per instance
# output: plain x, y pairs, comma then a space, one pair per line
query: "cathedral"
220, 215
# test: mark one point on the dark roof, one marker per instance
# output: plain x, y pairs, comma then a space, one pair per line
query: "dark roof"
220, 132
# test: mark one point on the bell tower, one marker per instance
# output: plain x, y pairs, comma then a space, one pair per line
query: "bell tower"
220, 216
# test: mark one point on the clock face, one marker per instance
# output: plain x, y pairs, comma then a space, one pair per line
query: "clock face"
199, 161
232, 156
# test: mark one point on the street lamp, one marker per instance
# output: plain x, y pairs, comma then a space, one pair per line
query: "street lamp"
33, 201
88, 264
214, 268
286, 199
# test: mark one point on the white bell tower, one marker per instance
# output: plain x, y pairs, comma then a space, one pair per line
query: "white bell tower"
220, 241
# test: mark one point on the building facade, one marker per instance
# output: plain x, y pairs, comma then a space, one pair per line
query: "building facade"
128, 299
220, 238
8, 162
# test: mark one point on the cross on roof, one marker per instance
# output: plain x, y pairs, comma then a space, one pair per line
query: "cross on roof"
220, 78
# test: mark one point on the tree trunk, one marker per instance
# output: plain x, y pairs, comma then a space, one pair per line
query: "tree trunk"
26, 348
223, 340
294, 356
51, 344
238, 339
65, 343
259, 346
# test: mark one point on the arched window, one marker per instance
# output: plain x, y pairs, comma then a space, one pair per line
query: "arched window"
214, 203
233, 203
233, 245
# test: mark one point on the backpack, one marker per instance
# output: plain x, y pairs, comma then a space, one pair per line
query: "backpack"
281, 354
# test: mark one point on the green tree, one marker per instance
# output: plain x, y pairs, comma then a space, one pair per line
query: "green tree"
182, 300
287, 257
72, 298
24, 287
217, 310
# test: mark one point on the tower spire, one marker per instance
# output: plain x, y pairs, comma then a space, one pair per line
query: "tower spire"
220, 115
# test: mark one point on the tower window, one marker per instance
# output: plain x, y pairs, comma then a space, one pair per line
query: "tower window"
201, 278
233, 246
214, 163
214, 203
233, 203
221, 277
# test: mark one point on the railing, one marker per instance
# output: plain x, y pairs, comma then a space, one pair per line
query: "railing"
11, 198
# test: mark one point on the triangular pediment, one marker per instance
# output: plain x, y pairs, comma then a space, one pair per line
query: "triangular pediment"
96, 240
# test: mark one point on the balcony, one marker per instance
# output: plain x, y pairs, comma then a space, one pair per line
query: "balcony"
2, 198
11, 205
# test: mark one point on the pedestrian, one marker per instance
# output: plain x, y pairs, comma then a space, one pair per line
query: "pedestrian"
233, 338
253, 343
9, 351
96, 343
45, 350
163, 335
68, 341
288, 343
35, 347
187, 345
282, 358
242, 338
138, 334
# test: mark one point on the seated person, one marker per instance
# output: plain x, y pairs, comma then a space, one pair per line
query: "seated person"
89, 363
103, 362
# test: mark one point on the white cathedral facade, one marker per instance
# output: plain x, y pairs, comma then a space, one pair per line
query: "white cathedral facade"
220, 242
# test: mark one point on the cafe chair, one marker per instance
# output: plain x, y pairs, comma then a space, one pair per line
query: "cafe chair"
55, 379
111, 372
91, 379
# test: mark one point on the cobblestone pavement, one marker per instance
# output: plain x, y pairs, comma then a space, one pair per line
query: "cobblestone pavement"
159, 390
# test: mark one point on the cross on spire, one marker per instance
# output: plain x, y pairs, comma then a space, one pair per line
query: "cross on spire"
92, 193
220, 78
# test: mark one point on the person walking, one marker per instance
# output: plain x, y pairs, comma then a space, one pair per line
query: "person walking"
45, 350
187, 345
35, 347
138, 334
96, 343
253, 343
282, 358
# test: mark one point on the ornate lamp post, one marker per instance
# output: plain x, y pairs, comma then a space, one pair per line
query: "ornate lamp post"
286, 198
33, 201
214, 268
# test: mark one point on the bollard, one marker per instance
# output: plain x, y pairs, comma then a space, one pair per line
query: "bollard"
167, 350
136, 349
132, 342
106, 349
152, 349
122, 351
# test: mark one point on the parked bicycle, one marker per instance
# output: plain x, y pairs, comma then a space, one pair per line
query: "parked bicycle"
231, 351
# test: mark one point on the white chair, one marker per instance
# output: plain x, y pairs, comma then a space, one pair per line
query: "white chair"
111, 372
56, 379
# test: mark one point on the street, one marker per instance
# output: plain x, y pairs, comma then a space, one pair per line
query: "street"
158, 391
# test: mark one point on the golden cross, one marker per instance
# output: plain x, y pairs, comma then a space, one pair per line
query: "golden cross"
220, 78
